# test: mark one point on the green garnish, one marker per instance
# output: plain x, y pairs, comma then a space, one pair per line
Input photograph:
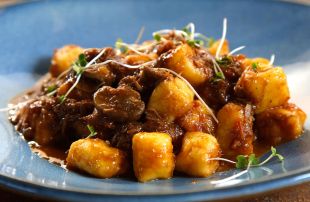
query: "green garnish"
254, 66
224, 61
157, 37
245, 162
119, 45
79, 65
51, 88
92, 131
195, 42
217, 77
187, 31
62, 98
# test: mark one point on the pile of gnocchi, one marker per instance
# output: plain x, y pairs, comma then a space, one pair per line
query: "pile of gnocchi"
175, 104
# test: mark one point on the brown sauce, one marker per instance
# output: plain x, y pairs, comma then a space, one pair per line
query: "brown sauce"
52, 154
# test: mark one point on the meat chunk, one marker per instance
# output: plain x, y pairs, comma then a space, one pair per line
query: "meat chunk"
149, 79
102, 74
197, 119
156, 123
164, 46
131, 81
37, 121
104, 126
124, 133
280, 124
234, 132
119, 104
216, 94
108, 54
69, 114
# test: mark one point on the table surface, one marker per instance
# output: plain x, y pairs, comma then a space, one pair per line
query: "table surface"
299, 193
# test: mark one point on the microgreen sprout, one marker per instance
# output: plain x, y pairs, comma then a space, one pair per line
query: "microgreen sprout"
236, 50
157, 37
140, 34
224, 61
120, 46
79, 75
51, 88
254, 66
272, 58
92, 131
217, 77
246, 162
79, 65
219, 48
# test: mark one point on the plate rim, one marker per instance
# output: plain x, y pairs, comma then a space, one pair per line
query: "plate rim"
275, 182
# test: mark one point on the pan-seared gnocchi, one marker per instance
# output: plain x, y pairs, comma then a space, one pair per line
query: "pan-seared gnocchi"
265, 89
197, 155
96, 157
153, 156
63, 58
179, 104
171, 98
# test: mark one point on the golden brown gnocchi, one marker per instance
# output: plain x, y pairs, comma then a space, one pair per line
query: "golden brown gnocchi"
215, 45
181, 61
169, 104
280, 124
197, 153
265, 89
97, 158
234, 132
171, 98
63, 58
153, 156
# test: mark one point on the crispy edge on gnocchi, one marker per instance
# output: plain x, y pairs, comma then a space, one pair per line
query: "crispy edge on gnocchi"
197, 148
280, 124
97, 158
181, 61
63, 58
235, 130
265, 89
153, 156
171, 98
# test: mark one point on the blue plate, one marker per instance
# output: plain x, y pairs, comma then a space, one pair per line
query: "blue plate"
30, 32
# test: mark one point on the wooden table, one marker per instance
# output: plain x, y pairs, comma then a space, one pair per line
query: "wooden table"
300, 193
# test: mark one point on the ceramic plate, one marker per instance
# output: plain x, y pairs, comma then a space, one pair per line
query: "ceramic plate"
30, 32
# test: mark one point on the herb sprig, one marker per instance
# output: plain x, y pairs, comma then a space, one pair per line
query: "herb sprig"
80, 64
217, 77
157, 37
92, 131
254, 66
119, 44
246, 162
